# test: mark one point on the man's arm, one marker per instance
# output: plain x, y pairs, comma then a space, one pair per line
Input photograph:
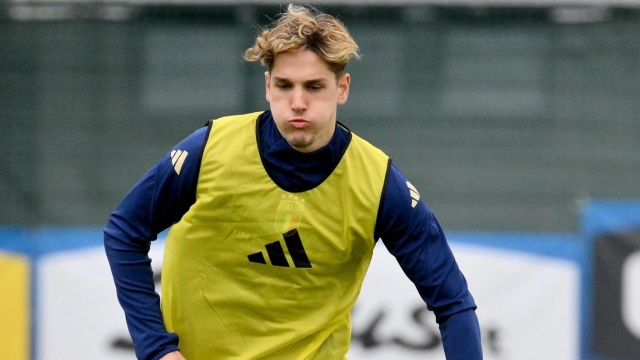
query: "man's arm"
157, 201
413, 235
461, 335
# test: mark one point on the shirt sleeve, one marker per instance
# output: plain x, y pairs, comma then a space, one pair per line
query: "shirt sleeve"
159, 199
412, 234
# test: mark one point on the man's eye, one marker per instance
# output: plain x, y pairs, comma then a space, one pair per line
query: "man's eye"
283, 86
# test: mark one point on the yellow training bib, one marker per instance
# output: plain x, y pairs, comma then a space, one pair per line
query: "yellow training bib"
255, 272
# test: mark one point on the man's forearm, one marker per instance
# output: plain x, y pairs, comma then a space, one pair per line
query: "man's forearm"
133, 277
461, 336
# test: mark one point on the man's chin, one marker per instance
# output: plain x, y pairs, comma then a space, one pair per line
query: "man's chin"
301, 145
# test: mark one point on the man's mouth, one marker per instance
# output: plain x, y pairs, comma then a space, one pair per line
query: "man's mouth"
298, 123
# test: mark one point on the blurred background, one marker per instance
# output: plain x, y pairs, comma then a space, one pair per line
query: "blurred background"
504, 117
509, 116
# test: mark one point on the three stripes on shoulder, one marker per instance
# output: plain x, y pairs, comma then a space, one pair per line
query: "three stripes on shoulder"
415, 196
177, 159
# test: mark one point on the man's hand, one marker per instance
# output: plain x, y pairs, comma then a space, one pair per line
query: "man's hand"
175, 355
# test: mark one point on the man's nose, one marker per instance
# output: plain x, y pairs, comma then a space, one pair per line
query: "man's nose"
298, 102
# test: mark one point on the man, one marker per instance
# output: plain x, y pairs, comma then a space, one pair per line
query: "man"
274, 216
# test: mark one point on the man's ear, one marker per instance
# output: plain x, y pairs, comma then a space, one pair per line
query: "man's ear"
343, 88
267, 84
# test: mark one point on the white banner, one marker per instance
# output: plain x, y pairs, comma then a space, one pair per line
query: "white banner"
631, 293
78, 315
528, 307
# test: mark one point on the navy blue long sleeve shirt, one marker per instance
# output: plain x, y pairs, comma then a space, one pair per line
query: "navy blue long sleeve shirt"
165, 193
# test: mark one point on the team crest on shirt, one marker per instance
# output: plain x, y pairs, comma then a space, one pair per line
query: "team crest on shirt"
289, 213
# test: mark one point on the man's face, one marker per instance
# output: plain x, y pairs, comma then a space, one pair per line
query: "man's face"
304, 96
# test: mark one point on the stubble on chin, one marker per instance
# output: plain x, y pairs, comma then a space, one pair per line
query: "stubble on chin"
299, 143
299, 140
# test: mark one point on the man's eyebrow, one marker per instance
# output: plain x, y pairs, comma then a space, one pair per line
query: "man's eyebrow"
312, 81
315, 81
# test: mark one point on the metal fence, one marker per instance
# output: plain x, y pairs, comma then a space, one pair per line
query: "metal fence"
503, 117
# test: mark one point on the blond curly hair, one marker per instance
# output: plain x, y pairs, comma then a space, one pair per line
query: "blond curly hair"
305, 28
